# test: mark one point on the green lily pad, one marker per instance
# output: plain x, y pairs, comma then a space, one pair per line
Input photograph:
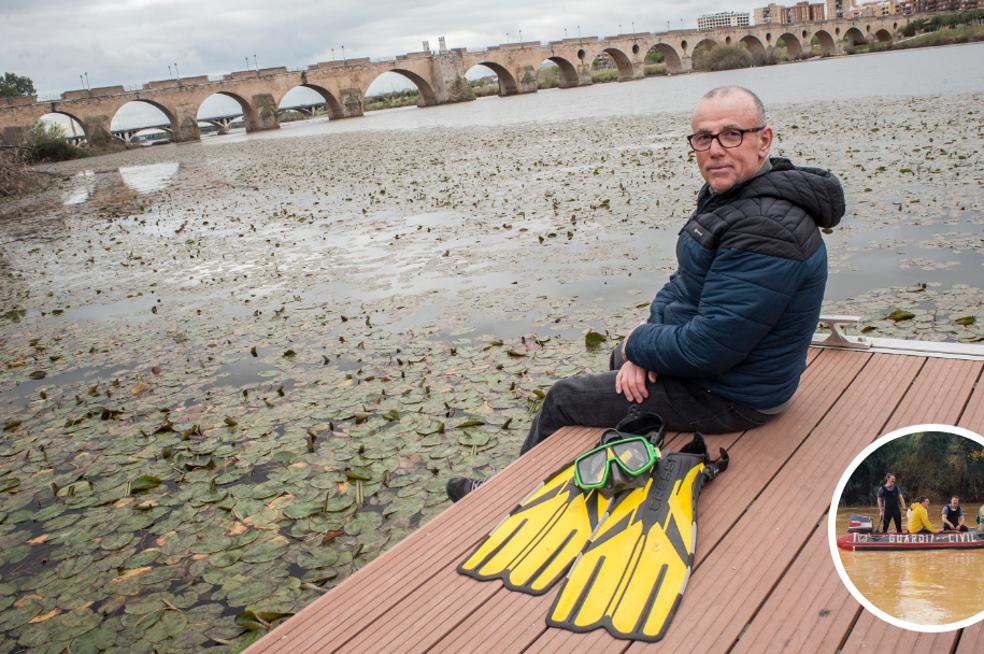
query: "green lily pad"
262, 551
594, 340
144, 483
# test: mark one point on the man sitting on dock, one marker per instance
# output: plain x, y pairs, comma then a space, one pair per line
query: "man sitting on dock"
726, 338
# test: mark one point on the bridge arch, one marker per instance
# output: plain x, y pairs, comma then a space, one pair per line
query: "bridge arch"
854, 37
883, 36
222, 112
506, 80
73, 128
753, 45
427, 95
701, 52
670, 56
824, 41
332, 104
792, 45
622, 62
568, 73
134, 116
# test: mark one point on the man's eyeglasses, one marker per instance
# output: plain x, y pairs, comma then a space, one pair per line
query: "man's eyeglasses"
728, 138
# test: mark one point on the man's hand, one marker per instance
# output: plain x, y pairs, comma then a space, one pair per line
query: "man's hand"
631, 382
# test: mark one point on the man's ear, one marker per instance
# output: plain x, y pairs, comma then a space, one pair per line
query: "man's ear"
765, 141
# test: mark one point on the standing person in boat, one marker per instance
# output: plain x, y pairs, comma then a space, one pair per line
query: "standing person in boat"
890, 503
725, 342
953, 516
919, 521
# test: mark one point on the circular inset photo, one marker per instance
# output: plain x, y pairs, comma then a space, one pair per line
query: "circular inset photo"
906, 528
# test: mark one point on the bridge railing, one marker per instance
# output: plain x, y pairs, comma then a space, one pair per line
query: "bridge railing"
49, 97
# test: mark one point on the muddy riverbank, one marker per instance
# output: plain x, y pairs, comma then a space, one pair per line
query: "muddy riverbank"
234, 373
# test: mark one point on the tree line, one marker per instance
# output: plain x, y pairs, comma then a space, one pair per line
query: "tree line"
935, 464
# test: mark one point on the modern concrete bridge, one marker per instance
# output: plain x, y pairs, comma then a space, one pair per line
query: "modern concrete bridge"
440, 78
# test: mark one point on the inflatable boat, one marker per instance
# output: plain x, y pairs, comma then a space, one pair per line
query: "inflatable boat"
860, 537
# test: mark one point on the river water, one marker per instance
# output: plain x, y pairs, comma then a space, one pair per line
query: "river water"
929, 587
235, 371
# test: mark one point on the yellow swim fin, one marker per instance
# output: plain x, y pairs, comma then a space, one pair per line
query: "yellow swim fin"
632, 573
534, 546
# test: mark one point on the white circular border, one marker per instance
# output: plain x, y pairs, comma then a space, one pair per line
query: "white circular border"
832, 528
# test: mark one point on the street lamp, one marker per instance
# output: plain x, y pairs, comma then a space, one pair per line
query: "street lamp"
170, 73
343, 53
176, 73
333, 54
507, 37
565, 33
578, 32
87, 85
520, 36
81, 80
255, 65
246, 59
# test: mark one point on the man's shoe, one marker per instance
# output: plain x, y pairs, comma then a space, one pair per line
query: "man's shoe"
458, 487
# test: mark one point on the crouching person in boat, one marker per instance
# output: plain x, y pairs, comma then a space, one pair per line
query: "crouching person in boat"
919, 520
953, 516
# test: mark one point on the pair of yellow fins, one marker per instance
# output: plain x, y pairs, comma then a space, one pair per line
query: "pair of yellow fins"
627, 558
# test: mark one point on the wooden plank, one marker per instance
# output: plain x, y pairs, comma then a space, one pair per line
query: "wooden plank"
756, 457
741, 572
973, 415
376, 589
972, 640
939, 394
873, 636
808, 611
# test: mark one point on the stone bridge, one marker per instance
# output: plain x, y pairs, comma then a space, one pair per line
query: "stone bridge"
440, 78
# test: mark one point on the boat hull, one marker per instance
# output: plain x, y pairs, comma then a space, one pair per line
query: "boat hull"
950, 540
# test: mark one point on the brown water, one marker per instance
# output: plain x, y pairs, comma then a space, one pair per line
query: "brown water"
924, 587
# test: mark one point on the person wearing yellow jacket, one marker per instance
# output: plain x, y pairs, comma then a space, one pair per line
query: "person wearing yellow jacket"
919, 518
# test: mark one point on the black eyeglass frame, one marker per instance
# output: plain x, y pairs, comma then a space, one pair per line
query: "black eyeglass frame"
740, 130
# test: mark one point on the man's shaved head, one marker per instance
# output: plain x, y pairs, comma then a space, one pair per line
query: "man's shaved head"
733, 110
729, 90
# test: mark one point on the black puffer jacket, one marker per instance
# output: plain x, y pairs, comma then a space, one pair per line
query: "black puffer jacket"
739, 313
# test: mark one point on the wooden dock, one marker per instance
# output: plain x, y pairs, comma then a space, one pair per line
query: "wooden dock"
747, 593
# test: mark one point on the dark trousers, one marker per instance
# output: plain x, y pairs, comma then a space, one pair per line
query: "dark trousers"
892, 514
590, 400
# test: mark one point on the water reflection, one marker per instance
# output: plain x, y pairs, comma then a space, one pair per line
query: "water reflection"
83, 186
149, 178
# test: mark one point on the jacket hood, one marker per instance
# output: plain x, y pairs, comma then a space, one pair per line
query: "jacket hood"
816, 190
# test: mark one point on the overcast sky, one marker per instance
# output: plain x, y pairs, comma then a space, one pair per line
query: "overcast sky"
133, 41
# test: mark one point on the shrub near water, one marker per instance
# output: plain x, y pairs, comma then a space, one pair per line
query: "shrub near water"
723, 57
47, 142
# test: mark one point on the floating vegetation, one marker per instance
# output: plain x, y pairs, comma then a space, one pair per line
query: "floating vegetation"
222, 395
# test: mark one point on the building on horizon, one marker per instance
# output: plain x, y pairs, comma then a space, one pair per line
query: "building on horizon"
839, 8
722, 19
801, 12
874, 8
